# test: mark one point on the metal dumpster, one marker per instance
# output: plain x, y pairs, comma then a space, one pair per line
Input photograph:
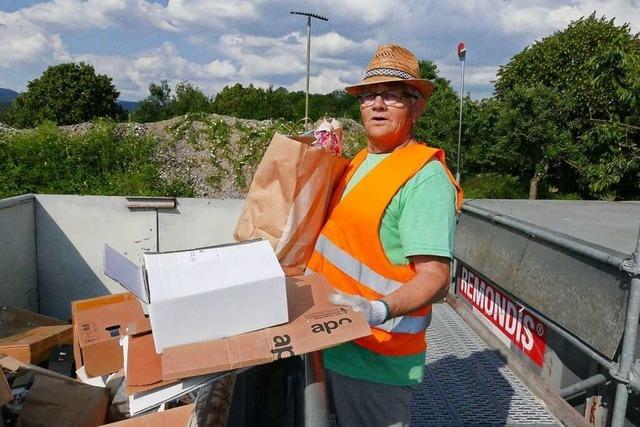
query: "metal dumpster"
52, 254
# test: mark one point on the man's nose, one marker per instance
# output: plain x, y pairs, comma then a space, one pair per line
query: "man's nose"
378, 103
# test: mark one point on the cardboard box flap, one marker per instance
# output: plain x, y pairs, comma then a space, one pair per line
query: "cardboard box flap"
125, 272
315, 324
143, 363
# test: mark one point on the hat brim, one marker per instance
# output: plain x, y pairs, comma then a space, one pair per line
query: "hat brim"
426, 87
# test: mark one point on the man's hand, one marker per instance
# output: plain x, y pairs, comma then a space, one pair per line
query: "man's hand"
376, 312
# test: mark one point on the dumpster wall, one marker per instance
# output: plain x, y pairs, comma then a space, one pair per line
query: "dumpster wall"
18, 271
70, 237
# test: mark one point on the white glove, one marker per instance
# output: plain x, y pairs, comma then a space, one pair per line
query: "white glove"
376, 312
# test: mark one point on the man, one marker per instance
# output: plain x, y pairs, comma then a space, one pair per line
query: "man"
387, 245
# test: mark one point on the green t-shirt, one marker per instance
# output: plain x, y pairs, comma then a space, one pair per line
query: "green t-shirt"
420, 220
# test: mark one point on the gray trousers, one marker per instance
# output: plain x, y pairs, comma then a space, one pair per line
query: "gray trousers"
362, 403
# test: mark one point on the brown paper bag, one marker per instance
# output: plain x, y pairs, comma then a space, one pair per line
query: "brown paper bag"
289, 196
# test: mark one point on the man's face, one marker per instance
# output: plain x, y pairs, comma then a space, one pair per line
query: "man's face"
389, 112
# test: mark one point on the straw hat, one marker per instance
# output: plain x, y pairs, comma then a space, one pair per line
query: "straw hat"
393, 63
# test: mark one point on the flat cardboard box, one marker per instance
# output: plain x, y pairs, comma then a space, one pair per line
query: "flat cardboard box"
30, 336
54, 402
35, 344
203, 294
14, 320
176, 417
315, 324
98, 324
12, 364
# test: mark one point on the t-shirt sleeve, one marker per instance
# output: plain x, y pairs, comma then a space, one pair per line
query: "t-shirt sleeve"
427, 218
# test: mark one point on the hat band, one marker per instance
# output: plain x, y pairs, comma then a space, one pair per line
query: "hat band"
393, 72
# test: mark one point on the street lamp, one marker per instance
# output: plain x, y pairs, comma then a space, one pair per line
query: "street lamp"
309, 15
462, 53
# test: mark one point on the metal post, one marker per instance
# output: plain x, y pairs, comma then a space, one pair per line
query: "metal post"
628, 341
316, 402
306, 99
462, 53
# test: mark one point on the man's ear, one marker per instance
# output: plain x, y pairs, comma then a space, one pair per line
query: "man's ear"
418, 108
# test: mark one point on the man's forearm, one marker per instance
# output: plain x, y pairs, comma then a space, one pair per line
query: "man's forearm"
430, 284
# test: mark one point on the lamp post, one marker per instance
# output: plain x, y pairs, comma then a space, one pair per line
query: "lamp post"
462, 53
309, 15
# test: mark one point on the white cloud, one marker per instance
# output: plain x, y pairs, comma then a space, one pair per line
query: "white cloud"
367, 11
328, 80
332, 43
22, 42
134, 74
521, 17
286, 55
177, 16
208, 12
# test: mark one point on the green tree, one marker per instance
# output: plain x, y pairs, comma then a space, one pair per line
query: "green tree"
588, 79
157, 106
66, 94
438, 126
190, 99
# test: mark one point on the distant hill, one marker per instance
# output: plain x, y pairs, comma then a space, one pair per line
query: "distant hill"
7, 95
129, 106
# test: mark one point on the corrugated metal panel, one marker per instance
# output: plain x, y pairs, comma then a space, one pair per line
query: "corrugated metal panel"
467, 384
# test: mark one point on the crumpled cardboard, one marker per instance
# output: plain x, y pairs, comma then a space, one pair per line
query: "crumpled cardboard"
289, 196
53, 402
5, 391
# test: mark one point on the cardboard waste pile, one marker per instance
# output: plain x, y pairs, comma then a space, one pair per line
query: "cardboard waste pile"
186, 318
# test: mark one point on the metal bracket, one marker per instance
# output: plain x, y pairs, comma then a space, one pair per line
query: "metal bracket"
629, 267
614, 371
634, 377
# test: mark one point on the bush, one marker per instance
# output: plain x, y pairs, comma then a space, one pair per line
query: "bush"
494, 186
100, 161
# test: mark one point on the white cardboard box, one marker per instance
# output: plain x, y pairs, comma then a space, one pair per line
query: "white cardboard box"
204, 294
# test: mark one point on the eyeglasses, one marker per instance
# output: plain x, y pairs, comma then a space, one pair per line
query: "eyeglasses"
389, 97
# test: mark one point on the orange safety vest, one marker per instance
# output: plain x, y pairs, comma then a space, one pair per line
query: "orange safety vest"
349, 252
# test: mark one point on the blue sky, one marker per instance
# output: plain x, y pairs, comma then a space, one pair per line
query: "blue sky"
215, 43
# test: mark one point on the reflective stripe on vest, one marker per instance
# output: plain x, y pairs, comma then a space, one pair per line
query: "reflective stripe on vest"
354, 268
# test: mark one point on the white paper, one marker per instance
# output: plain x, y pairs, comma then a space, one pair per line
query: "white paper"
102, 381
146, 400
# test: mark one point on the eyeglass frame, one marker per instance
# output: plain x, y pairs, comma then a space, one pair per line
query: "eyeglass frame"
382, 94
